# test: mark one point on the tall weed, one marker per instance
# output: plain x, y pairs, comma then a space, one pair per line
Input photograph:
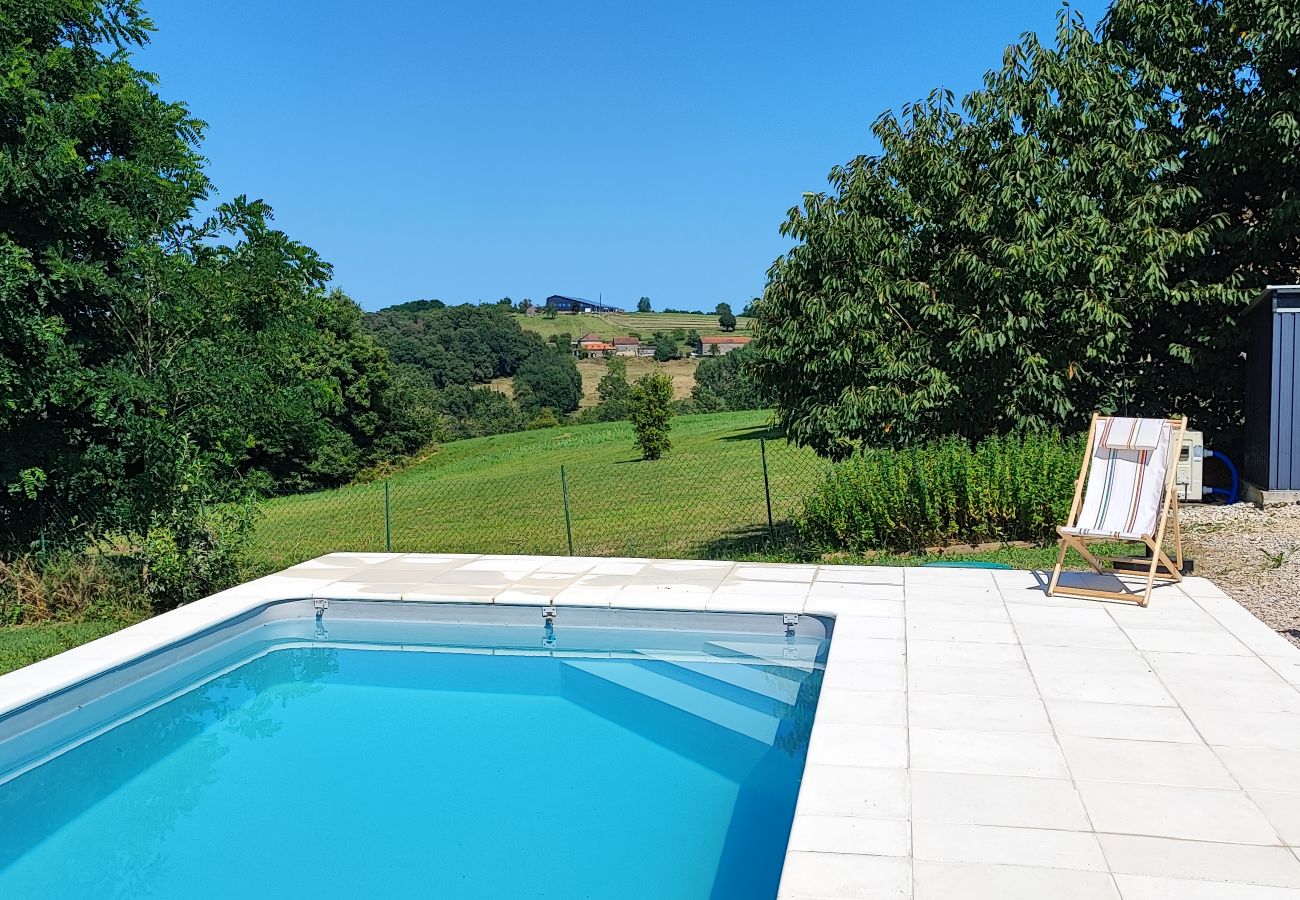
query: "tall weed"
1016, 487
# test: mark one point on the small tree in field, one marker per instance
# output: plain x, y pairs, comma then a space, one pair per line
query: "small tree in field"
643, 305
650, 411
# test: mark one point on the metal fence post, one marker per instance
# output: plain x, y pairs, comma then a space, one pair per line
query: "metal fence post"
767, 488
388, 520
568, 521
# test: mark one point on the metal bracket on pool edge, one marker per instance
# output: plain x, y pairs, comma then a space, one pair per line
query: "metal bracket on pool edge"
790, 620
548, 636
321, 605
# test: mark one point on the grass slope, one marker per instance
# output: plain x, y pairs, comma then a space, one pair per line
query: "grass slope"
681, 371
503, 494
617, 324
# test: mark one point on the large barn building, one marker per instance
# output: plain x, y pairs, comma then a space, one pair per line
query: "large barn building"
563, 304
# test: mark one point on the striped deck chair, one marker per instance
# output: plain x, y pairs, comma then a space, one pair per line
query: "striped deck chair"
1125, 492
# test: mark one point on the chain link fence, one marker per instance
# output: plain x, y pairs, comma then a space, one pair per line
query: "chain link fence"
686, 505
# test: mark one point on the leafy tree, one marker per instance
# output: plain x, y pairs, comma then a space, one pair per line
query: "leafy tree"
666, 347
1015, 263
643, 305
612, 391
650, 412
466, 344
722, 309
727, 383
470, 412
726, 321
548, 379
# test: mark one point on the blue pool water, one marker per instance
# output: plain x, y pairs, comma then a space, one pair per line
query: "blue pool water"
358, 770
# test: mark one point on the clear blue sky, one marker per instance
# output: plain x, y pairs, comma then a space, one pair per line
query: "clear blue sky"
474, 150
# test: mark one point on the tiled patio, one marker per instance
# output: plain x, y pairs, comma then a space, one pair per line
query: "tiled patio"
974, 739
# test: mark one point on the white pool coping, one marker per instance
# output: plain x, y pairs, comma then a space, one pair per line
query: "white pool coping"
974, 738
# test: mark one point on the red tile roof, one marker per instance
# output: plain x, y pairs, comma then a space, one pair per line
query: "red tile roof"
626, 340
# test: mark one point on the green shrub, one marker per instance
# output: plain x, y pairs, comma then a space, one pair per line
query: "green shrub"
67, 586
650, 411
1017, 487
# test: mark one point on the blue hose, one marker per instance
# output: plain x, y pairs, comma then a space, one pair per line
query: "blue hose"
1232, 470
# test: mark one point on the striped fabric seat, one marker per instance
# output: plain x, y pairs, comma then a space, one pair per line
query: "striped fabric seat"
1126, 478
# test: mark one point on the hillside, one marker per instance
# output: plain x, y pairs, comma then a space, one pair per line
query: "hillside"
616, 324
681, 371
503, 494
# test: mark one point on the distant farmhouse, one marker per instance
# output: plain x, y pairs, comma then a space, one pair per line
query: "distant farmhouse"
594, 345
577, 305
721, 346
627, 346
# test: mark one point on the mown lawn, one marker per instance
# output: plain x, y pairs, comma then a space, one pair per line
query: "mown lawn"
504, 494
21, 645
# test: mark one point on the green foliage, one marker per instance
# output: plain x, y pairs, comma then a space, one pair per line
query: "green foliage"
545, 418
477, 412
67, 585
612, 391
643, 305
1016, 487
187, 553
1053, 246
650, 412
727, 321
666, 347
190, 547
463, 345
727, 383
550, 378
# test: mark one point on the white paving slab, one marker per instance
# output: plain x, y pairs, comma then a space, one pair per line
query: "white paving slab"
975, 738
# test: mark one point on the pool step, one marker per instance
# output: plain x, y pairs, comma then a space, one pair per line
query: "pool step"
722, 734
801, 655
750, 685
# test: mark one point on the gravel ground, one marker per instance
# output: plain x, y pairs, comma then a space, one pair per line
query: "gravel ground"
1252, 554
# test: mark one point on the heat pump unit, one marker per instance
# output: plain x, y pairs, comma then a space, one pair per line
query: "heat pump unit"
1191, 461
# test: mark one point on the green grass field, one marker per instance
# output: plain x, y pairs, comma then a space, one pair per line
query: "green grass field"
504, 494
616, 324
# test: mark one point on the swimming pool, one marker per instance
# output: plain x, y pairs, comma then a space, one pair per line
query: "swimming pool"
421, 750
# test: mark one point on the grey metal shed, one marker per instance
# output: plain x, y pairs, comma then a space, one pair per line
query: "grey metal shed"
1272, 452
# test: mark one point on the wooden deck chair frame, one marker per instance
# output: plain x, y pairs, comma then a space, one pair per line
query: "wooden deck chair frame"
1159, 565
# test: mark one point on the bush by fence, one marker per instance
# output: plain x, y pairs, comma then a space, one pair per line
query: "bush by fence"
1002, 489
